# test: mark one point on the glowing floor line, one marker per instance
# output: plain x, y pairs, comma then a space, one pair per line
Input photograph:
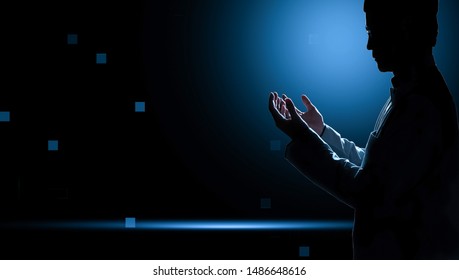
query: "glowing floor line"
244, 225
189, 225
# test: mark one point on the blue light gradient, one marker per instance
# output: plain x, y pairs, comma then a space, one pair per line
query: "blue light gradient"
228, 56
318, 48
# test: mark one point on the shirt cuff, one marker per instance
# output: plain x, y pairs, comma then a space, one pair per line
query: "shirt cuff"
323, 130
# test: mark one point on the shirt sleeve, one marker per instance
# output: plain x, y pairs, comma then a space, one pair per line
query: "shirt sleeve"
399, 158
343, 147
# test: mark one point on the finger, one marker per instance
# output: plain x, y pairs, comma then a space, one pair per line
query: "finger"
273, 94
272, 108
278, 103
284, 97
281, 103
292, 110
272, 102
285, 112
307, 102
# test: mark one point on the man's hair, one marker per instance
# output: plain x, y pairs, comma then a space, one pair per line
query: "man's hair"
421, 16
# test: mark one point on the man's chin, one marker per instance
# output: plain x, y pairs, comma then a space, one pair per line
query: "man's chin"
383, 67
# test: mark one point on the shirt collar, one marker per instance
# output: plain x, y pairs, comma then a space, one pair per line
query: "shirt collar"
403, 86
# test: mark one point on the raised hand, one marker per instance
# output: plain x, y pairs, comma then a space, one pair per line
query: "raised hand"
286, 116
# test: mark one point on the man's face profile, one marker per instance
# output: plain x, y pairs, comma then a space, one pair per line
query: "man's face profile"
382, 41
399, 30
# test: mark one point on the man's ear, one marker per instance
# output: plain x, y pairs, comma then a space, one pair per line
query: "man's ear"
415, 32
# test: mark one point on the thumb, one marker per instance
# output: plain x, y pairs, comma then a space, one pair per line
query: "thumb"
307, 102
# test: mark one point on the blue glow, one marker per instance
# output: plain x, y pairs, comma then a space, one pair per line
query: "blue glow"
4, 116
101, 58
53, 145
304, 251
130, 223
294, 47
265, 203
248, 225
189, 225
72, 39
233, 53
139, 106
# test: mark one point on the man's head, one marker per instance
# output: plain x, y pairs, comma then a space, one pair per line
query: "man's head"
400, 31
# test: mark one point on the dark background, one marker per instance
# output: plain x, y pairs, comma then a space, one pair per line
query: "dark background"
200, 151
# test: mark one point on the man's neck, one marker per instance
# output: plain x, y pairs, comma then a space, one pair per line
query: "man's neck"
410, 70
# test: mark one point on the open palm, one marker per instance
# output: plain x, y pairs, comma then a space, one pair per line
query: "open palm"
312, 116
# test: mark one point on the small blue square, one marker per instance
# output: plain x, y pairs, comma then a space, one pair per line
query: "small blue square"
129, 223
265, 203
304, 251
140, 106
101, 58
53, 145
72, 39
4, 116
275, 145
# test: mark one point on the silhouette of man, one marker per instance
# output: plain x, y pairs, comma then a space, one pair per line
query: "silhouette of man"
404, 185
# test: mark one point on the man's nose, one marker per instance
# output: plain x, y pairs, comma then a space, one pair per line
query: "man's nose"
369, 43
